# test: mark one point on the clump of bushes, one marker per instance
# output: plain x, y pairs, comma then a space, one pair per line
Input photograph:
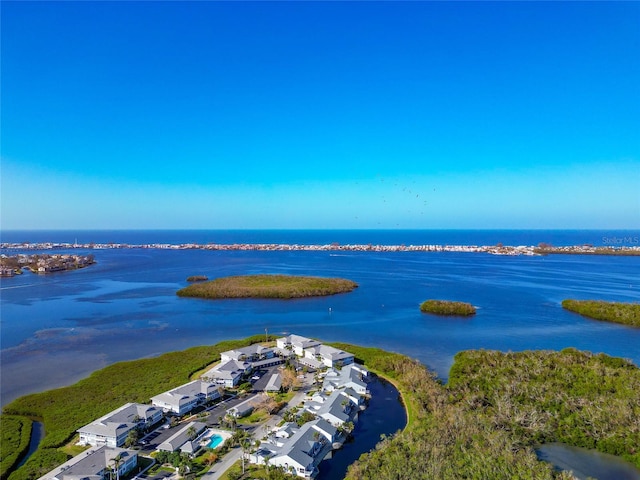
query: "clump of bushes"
445, 307
497, 407
268, 286
618, 312
15, 435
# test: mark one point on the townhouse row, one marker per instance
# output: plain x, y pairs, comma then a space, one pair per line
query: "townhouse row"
109, 433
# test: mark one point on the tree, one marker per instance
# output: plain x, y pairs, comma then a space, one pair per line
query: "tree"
246, 446
132, 438
192, 432
117, 461
210, 458
289, 379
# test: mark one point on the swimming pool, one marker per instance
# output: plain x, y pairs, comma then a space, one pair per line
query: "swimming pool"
216, 440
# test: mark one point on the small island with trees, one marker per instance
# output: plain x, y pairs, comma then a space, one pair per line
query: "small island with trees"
448, 308
617, 312
267, 286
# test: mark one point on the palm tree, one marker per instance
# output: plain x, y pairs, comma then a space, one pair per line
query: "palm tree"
192, 433
132, 438
245, 445
117, 461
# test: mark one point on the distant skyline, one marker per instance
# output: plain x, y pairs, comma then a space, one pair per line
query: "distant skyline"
346, 115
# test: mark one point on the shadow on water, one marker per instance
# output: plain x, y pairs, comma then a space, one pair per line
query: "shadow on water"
586, 463
37, 434
385, 415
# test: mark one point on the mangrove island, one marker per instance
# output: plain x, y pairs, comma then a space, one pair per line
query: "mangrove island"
447, 308
618, 312
268, 286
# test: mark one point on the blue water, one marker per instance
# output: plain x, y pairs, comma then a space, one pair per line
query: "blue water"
385, 415
215, 441
58, 328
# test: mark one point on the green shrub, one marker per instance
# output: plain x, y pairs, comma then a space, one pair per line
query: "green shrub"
445, 307
15, 436
267, 286
618, 312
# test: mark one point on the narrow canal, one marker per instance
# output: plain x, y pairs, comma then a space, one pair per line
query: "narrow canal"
37, 434
385, 415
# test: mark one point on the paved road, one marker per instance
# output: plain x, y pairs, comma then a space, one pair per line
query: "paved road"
219, 468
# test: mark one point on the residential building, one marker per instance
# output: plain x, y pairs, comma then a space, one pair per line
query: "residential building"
228, 373
350, 376
337, 408
252, 353
113, 428
186, 397
301, 453
187, 439
244, 408
329, 356
94, 464
296, 343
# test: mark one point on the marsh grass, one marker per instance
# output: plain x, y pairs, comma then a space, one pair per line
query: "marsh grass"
447, 308
267, 286
618, 312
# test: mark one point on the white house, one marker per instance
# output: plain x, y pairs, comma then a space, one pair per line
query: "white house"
186, 397
336, 409
113, 428
296, 343
252, 353
350, 376
94, 464
301, 453
329, 356
228, 373
187, 439
244, 408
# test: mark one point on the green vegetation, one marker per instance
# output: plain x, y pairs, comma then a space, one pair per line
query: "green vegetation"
64, 410
625, 313
15, 435
268, 286
496, 407
445, 307
483, 424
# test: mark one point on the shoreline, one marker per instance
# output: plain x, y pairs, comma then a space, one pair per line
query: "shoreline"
528, 250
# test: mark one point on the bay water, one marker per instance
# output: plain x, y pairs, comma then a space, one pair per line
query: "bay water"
58, 328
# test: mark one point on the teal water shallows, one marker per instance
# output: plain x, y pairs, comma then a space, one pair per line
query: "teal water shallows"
216, 440
385, 415
586, 463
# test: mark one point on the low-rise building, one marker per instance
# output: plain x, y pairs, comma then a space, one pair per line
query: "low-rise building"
329, 356
94, 464
296, 343
350, 376
187, 439
337, 408
301, 453
186, 397
243, 408
228, 373
113, 428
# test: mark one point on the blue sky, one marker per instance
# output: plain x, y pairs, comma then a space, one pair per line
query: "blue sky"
320, 115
